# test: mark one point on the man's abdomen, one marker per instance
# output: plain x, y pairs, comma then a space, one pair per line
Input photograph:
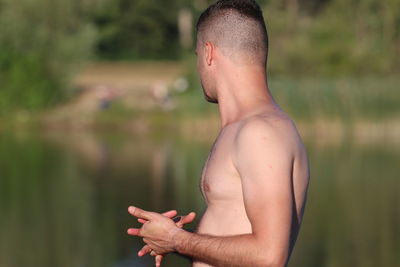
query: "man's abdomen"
224, 219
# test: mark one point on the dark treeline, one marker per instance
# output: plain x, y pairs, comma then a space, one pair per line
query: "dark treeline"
140, 29
307, 36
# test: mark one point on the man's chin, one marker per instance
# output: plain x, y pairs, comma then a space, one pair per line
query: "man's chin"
210, 100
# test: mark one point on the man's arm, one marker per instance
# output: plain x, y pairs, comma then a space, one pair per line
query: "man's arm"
263, 158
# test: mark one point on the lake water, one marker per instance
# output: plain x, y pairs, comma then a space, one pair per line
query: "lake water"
64, 198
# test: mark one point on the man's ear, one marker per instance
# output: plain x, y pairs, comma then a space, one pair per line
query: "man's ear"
209, 52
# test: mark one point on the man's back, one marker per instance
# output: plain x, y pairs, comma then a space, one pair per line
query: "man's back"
222, 184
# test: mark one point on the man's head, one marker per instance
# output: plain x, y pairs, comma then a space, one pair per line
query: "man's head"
236, 28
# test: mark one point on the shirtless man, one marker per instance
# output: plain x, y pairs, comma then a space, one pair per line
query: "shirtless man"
256, 176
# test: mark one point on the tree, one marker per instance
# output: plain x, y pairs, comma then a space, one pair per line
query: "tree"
41, 44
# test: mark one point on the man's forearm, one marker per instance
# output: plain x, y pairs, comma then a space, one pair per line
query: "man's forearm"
238, 250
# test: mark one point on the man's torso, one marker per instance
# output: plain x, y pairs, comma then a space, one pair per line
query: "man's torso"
221, 183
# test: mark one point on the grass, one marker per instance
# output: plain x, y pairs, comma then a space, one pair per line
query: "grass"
362, 109
307, 99
344, 99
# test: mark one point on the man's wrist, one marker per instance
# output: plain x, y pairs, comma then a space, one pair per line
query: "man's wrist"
179, 237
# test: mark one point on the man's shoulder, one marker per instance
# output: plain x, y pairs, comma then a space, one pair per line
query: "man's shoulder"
268, 129
264, 136
267, 125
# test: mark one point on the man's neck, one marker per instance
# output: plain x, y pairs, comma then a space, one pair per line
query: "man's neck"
243, 94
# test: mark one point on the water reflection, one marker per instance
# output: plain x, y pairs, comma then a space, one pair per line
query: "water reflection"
354, 213
63, 199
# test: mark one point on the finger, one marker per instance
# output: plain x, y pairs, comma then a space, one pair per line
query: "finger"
158, 260
139, 213
152, 253
145, 250
186, 219
169, 214
141, 220
133, 231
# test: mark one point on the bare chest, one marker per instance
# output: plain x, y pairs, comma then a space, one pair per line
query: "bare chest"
219, 179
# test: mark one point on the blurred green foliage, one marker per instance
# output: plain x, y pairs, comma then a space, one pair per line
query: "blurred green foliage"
335, 37
343, 99
326, 37
41, 45
140, 29
43, 42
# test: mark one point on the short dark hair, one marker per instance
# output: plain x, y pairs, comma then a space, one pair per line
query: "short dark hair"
235, 24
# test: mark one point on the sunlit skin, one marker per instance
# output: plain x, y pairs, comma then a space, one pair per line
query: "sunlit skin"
182, 220
254, 181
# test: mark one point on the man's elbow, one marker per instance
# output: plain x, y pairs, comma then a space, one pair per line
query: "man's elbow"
271, 260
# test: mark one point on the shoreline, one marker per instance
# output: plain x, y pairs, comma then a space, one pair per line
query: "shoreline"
322, 131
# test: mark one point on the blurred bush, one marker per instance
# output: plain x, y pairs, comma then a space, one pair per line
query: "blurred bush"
333, 37
140, 29
42, 43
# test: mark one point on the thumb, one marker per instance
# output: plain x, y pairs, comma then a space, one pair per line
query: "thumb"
187, 219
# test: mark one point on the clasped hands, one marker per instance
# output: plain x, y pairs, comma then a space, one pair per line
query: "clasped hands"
158, 231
